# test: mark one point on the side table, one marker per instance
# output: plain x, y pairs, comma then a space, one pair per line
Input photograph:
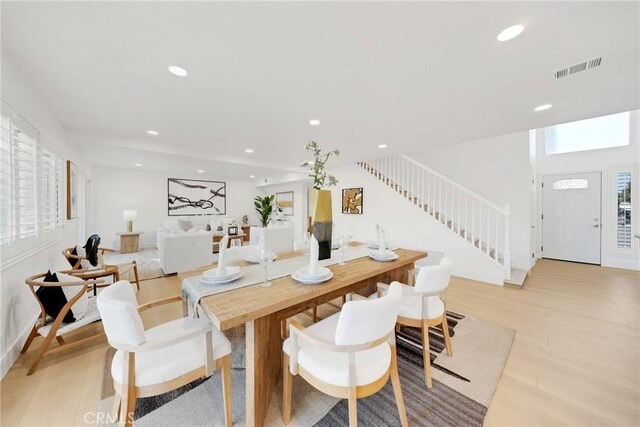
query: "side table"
129, 241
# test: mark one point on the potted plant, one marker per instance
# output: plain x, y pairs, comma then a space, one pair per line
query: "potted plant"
264, 207
320, 198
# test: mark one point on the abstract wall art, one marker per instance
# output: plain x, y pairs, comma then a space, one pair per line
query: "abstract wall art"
196, 197
284, 200
352, 200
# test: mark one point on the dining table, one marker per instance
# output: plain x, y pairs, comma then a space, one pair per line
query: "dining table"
262, 310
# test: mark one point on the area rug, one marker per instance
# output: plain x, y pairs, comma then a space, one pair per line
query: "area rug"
148, 261
463, 386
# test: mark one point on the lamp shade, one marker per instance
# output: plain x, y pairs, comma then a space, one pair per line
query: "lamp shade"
129, 215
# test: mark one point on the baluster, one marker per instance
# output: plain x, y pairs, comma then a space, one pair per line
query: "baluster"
466, 216
488, 230
473, 222
440, 200
496, 244
422, 173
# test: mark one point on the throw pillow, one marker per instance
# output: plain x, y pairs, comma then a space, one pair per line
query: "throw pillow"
53, 299
185, 224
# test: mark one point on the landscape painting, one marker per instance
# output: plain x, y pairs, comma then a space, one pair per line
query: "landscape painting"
352, 200
196, 197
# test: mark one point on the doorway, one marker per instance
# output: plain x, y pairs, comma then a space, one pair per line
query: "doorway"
572, 217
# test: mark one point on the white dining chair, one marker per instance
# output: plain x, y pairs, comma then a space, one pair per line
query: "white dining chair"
162, 358
423, 306
349, 355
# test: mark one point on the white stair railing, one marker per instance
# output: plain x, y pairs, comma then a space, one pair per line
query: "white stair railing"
479, 221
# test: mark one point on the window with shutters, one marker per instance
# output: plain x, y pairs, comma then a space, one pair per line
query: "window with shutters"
31, 182
624, 210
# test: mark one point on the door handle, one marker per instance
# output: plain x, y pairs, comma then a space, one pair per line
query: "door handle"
596, 225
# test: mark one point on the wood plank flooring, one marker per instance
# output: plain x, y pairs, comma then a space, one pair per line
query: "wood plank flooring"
575, 359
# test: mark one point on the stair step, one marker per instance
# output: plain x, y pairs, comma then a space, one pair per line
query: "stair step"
518, 278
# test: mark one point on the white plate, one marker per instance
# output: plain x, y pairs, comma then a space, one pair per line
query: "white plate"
297, 278
230, 270
212, 281
256, 259
322, 272
374, 256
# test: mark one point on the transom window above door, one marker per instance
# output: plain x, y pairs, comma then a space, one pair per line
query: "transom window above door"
591, 134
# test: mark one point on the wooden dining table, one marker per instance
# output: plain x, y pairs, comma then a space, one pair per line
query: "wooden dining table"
262, 310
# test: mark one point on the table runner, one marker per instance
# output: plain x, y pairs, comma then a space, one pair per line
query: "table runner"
193, 290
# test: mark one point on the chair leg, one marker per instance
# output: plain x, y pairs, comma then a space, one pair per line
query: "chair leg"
128, 406
42, 350
353, 407
397, 391
445, 334
287, 389
314, 312
226, 390
135, 274
426, 354
344, 299
60, 341
27, 344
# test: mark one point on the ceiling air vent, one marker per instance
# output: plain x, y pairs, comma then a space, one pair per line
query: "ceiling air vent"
586, 65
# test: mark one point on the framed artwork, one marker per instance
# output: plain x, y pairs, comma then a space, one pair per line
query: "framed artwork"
72, 190
284, 200
188, 197
352, 200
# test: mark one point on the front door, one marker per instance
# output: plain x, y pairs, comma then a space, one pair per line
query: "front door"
571, 219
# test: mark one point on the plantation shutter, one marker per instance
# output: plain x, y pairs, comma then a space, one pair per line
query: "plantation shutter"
6, 216
23, 168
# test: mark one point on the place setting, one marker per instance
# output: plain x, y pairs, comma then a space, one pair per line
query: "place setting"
379, 250
221, 274
313, 273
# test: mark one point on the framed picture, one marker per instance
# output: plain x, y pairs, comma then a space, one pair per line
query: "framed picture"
72, 190
352, 200
196, 197
285, 201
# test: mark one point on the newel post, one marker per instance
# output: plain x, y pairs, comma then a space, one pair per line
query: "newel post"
507, 246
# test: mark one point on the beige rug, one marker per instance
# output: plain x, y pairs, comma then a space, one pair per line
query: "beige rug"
148, 264
462, 388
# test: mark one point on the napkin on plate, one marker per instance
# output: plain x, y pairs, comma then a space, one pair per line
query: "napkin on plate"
221, 254
382, 237
313, 255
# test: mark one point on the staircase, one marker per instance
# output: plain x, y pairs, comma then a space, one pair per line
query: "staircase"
471, 217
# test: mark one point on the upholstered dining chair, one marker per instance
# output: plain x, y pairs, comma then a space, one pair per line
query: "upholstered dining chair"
162, 358
78, 303
349, 355
423, 306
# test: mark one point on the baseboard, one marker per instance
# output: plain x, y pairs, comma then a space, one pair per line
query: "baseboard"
11, 354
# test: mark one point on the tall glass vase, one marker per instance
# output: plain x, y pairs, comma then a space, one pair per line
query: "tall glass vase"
321, 220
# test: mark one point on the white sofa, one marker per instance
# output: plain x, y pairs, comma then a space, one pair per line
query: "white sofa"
186, 250
279, 238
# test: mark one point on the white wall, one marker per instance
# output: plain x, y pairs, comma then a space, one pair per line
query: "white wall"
609, 162
300, 195
496, 168
407, 225
18, 308
115, 190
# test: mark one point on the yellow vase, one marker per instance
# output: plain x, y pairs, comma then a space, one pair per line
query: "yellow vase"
321, 219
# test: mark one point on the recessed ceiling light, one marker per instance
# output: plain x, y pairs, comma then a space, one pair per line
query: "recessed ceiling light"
153, 132
138, 165
314, 122
382, 146
510, 33
543, 107
200, 171
248, 150
252, 176
178, 71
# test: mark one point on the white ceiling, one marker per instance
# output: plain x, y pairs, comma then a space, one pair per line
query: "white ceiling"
410, 75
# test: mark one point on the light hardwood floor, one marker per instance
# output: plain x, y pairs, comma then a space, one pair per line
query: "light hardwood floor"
575, 359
